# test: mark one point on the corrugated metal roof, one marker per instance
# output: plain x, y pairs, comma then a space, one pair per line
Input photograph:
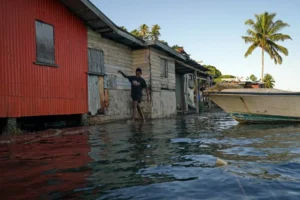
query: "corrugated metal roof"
181, 69
161, 46
100, 23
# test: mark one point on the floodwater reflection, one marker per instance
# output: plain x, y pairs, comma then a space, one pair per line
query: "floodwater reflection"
161, 159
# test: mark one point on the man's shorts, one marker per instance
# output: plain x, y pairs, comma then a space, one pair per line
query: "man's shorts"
137, 98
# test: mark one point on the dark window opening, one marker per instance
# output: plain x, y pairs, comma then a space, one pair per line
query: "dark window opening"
45, 53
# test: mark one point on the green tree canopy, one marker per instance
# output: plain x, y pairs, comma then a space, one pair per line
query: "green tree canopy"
213, 71
175, 47
166, 43
144, 31
269, 81
155, 32
124, 28
253, 78
264, 32
136, 33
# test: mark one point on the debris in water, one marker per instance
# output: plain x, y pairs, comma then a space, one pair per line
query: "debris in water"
221, 162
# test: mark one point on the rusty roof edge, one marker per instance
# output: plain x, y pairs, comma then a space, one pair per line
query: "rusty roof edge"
112, 25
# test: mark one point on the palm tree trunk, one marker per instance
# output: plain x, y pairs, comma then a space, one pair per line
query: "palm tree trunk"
262, 64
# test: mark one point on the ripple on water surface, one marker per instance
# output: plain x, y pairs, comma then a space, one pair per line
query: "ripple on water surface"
160, 159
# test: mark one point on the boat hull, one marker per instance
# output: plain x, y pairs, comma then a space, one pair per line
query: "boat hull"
256, 118
260, 107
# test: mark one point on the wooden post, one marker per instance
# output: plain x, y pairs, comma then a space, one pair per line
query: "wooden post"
209, 101
182, 85
197, 93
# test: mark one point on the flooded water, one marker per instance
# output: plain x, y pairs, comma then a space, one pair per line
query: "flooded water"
161, 159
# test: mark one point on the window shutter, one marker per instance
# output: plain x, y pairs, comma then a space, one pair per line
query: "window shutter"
96, 61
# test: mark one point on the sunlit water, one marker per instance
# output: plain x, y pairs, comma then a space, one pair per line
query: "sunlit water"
160, 159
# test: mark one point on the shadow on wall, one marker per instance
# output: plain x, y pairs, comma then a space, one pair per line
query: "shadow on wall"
2, 124
41, 123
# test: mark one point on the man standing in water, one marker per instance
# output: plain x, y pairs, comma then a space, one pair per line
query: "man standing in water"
137, 86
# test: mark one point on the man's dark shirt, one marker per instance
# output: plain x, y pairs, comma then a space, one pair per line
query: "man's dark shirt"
137, 85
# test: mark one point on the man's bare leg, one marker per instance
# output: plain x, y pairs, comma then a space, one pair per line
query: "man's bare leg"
140, 112
134, 106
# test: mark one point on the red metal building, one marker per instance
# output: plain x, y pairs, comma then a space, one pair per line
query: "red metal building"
43, 59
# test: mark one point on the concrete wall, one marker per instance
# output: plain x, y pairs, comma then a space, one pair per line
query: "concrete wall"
140, 59
157, 81
164, 104
163, 89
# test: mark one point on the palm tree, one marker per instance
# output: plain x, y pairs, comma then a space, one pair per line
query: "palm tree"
136, 33
155, 32
253, 78
263, 33
269, 81
144, 31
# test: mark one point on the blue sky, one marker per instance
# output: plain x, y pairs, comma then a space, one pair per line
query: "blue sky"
211, 31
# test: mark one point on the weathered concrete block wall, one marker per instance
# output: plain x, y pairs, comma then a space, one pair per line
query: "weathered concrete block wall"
157, 81
120, 57
140, 59
163, 88
164, 104
116, 57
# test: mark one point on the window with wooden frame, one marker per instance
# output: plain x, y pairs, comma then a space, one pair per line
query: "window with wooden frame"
164, 67
45, 50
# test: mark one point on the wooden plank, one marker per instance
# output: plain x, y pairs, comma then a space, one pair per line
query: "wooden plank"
197, 92
93, 94
101, 92
183, 103
106, 97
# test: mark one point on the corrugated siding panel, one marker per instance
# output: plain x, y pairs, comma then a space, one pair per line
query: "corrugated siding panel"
94, 95
31, 90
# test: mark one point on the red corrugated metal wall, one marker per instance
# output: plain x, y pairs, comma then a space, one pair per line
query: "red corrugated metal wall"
27, 89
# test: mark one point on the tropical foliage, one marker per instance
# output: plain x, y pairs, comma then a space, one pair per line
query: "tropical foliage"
213, 71
218, 76
145, 33
135, 32
252, 77
264, 32
155, 32
166, 43
124, 28
269, 81
175, 47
